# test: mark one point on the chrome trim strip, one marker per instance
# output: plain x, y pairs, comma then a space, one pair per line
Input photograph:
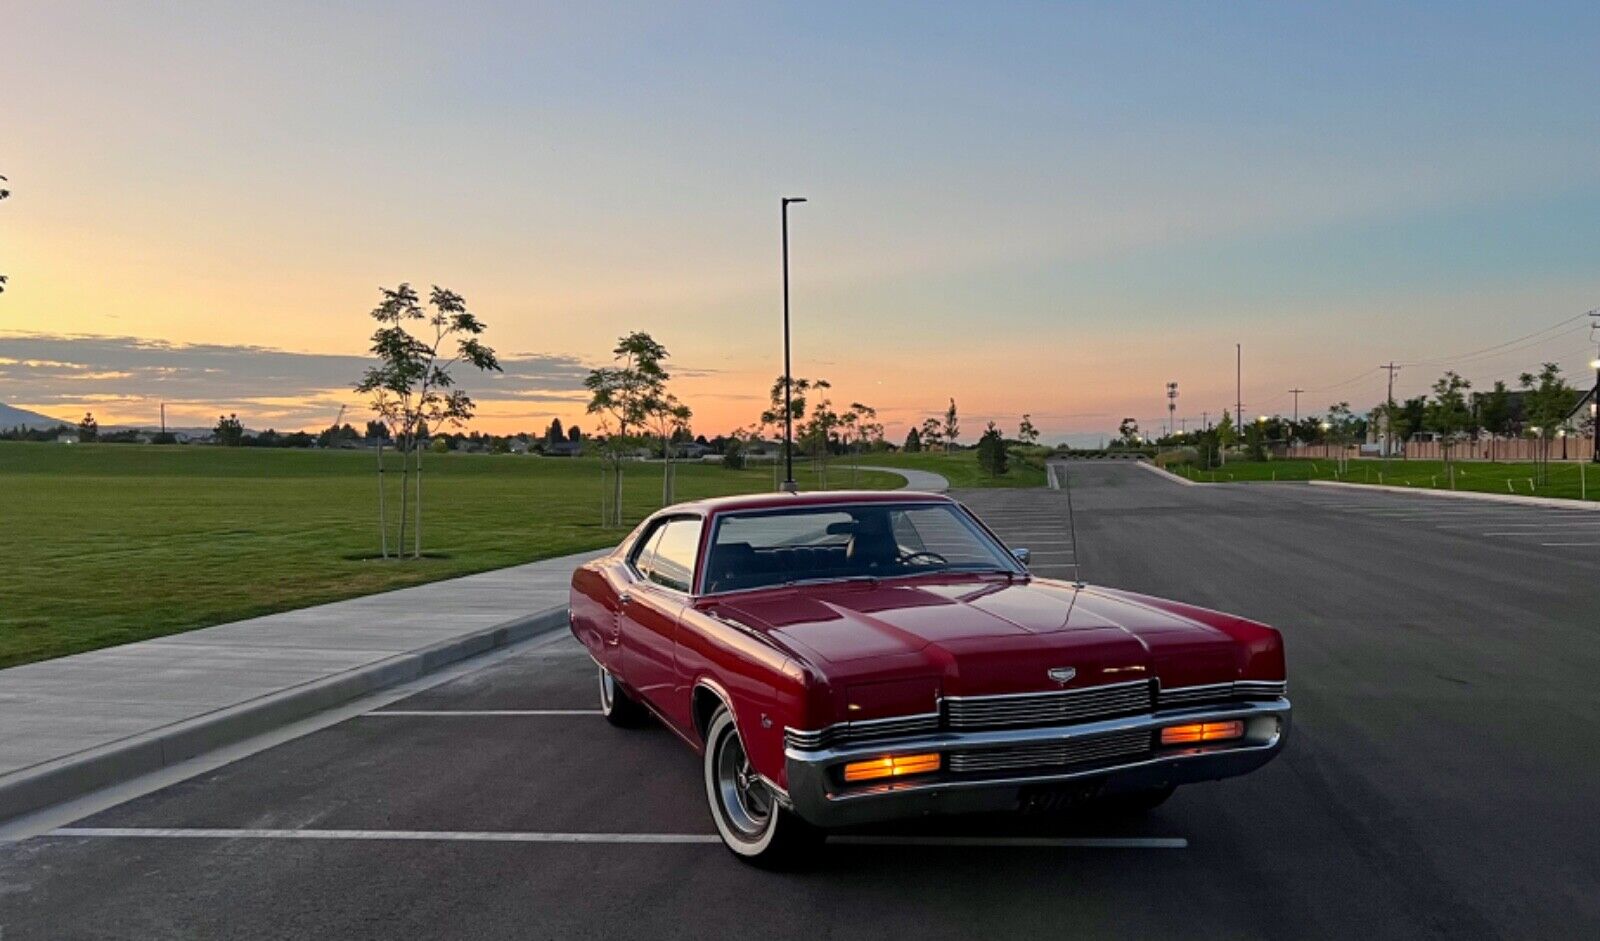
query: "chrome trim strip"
1048, 692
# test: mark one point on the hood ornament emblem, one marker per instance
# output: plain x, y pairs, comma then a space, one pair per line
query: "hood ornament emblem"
1062, 675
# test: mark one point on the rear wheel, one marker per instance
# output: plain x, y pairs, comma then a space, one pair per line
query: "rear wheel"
619, 708
747, 814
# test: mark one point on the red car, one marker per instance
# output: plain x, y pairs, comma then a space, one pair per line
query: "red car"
845, 658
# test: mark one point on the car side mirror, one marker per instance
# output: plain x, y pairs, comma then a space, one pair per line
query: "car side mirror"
1022, 555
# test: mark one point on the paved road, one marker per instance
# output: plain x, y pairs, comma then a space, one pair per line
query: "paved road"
1439, 782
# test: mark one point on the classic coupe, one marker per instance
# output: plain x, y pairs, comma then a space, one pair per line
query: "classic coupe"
846, 658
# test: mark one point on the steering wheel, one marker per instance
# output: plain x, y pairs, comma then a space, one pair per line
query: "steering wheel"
936, 557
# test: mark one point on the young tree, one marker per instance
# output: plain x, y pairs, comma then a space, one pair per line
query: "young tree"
817, 434
773, 417
553, 434
1341, 423
992, 452
952, 426
1547, 402
229, 431
1026, 433
1128, 433
669, 420
623, 395
913, 441
932, 434
1494, 413
1448, 416
1227, 436
88, 429
575, 434
413, 386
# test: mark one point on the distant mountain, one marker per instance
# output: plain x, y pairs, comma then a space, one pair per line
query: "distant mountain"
12, 417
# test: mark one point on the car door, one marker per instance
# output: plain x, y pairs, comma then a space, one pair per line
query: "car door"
650, 614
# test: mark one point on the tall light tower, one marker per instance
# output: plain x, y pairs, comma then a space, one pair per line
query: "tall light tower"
1172, 407
788, 377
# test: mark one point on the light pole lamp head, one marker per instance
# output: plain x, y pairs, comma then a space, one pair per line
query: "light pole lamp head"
793, 199
1594, 364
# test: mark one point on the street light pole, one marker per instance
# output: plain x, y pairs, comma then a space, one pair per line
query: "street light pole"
788, 376
1594, 411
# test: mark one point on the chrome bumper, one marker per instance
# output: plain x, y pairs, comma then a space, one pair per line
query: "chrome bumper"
816, 793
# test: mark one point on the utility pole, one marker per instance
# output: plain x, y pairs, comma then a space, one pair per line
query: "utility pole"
1388, 410
1172, 406
163, 420
1296, 393
1238, 385
1594, 397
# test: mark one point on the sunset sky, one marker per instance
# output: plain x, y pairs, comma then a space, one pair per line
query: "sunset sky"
1045, 208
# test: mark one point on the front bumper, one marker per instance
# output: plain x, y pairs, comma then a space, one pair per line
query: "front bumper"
816, 794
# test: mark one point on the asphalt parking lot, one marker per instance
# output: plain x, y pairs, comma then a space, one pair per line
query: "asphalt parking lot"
1439, 780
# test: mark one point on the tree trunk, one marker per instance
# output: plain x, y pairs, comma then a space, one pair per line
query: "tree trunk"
418, 527
616, 490
383, 523
666, 471
405, 499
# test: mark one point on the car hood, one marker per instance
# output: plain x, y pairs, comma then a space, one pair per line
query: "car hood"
987, 635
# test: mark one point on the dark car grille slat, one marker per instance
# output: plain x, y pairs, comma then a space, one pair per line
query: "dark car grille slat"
1054, 708
1221, 693
1051, 755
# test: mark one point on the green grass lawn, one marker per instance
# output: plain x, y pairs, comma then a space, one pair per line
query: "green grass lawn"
1566, 480
961, 468
105, 544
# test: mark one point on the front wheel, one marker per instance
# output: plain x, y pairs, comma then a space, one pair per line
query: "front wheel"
747, 814
619, 708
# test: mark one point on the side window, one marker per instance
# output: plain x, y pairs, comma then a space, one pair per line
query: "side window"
672, 564
644, 561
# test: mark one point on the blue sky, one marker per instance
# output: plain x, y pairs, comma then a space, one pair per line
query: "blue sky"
1046, 208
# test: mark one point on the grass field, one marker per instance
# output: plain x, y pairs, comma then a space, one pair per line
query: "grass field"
104, 544
1571, 481
960, 468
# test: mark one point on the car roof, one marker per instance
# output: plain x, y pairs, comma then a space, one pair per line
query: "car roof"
784, 501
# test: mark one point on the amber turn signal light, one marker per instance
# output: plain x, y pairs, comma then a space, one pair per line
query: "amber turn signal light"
891, 766
1202, 732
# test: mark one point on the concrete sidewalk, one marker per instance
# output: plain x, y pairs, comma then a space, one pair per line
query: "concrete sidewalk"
76, 724
925, 481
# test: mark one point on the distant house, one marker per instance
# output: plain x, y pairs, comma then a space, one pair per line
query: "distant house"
564, 449
692, 450
67, 437
517, 445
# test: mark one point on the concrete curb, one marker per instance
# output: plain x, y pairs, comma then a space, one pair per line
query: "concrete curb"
73, 776
1589, 505
1162, 471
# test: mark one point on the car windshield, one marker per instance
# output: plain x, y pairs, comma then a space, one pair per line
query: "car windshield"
825, 543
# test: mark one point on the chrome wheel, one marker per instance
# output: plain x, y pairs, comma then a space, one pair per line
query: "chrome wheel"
746, 801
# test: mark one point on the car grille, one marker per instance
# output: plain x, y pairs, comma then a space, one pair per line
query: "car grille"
1185, 696
869, 730
1052, 754
1052, 708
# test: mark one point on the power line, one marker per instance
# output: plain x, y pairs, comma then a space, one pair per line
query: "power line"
1462, 356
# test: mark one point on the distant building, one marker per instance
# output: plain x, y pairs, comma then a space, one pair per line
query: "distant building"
563, 449
67, 437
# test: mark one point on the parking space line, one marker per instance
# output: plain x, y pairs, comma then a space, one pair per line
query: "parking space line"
482, 712
1569, 543
498, 836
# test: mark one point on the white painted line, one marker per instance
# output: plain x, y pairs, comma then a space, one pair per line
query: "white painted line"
498, 836
49, 818
1129, 842
1532, 535
483, 712
469, 836
1569, 543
